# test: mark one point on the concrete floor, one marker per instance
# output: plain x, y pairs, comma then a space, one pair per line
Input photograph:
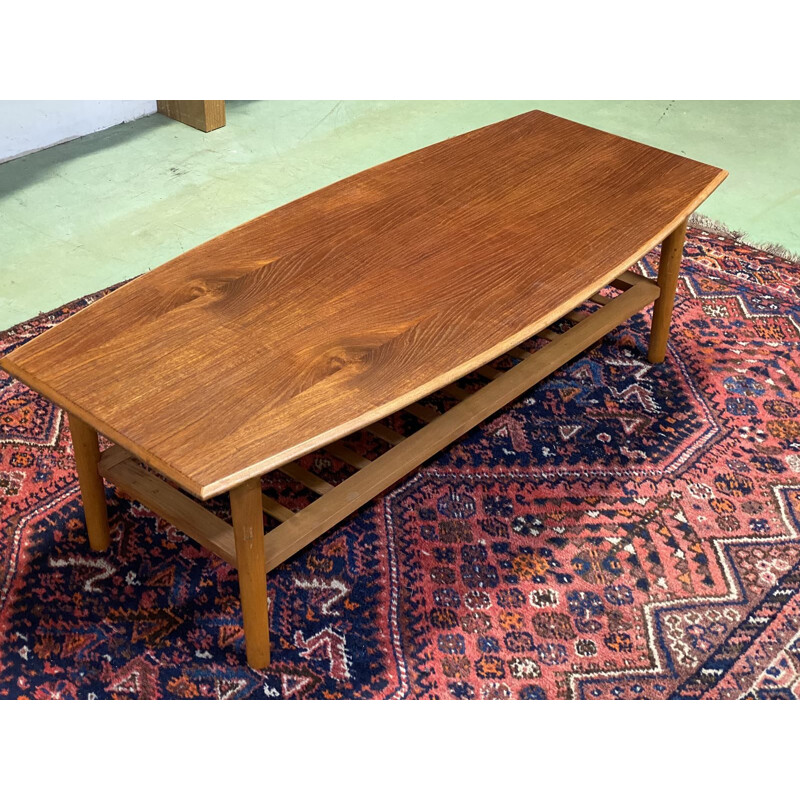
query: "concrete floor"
86, 214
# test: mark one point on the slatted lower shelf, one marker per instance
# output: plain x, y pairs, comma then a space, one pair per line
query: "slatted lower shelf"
334, 503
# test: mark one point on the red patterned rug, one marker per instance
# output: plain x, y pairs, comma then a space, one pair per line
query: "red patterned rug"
623, 530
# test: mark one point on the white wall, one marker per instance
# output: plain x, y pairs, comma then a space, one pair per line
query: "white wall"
28, 125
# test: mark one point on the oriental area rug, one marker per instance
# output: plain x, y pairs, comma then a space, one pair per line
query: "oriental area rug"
624, 530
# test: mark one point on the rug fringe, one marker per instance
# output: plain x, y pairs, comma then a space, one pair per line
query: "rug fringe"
721, 229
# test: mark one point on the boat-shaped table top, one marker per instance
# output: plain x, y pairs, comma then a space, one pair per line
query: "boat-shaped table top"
329, 313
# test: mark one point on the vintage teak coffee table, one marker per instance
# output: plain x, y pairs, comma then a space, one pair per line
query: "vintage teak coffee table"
331, 313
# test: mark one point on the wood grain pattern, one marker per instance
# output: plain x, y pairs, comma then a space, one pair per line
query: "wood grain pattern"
205, 115
328, 314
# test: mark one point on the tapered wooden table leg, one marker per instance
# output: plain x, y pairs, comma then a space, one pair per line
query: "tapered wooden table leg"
248, 531
668, 269
93, 493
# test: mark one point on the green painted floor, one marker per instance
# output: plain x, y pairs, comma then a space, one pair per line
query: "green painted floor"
86, 214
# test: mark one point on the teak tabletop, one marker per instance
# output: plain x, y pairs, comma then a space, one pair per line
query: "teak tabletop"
327, 314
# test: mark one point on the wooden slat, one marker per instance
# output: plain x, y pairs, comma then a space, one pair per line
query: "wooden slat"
631, 279
518, 352
576, 316
385, 432
184, 513
113, 455
345, 454
548, 334
312, 521
275, 509
600, 299
456, 391
424, 413
488, 372
308, 479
